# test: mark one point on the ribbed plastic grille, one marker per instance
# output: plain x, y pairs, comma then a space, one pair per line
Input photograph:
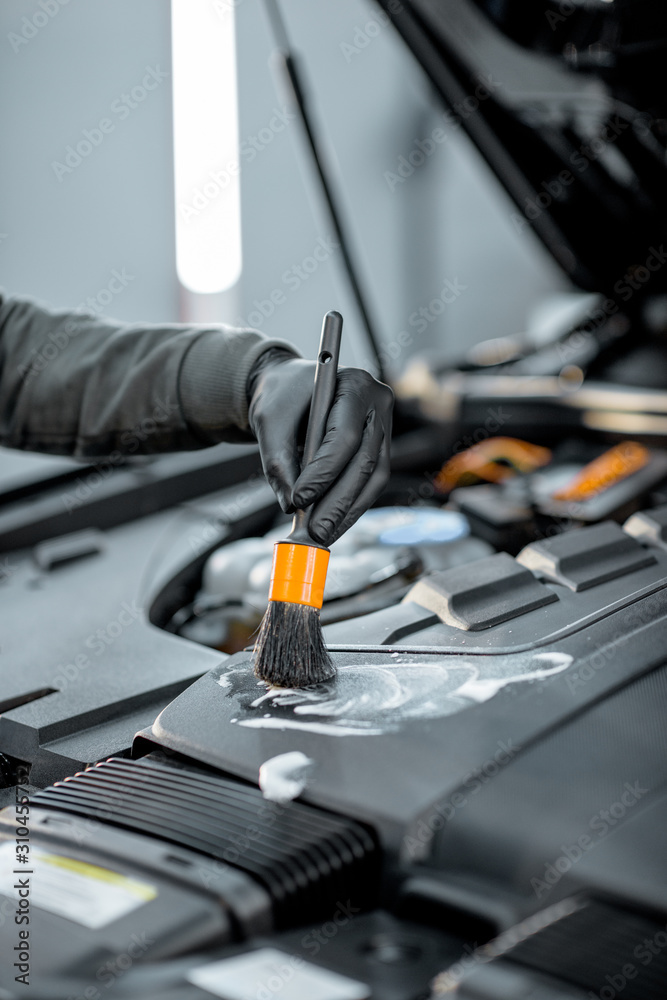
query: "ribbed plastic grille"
591, 947
307, 860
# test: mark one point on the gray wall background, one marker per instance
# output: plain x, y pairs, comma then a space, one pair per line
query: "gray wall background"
61, 239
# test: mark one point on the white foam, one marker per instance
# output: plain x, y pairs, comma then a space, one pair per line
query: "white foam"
369, 699
308, 727
284, 777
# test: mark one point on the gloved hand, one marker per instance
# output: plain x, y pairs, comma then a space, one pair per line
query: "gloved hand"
352, 465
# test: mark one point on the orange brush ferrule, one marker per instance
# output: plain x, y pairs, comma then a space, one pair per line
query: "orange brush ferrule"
299, 573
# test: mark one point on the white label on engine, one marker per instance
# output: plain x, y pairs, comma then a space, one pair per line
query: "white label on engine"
89, 895
264, 974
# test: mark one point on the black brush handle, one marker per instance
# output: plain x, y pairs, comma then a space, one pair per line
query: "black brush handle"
324, 391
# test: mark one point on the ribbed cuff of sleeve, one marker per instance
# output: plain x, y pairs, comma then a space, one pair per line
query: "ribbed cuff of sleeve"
213, 379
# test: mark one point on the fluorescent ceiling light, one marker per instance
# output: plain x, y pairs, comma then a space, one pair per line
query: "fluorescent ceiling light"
206, 145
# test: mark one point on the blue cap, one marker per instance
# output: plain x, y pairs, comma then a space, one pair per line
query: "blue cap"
416, 525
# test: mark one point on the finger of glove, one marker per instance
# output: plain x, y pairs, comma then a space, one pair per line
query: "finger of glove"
277, 418
333, 509
280, 460
368, 495
346, 426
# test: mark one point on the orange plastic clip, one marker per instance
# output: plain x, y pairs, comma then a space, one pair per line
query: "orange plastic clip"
604, 471
482, 460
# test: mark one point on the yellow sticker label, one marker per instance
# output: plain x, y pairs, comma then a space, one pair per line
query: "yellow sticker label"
87, 894
142, 890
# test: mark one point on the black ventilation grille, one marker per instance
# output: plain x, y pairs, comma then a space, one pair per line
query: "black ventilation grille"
307, 860
594, 948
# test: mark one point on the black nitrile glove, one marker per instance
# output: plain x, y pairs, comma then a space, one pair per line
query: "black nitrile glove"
351, 467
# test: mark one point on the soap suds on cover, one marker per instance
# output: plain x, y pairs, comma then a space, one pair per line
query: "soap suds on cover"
375, 698
284, 777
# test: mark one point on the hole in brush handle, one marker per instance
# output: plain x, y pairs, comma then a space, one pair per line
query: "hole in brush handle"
325, 357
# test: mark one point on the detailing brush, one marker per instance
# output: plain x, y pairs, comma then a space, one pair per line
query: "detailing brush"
290, 649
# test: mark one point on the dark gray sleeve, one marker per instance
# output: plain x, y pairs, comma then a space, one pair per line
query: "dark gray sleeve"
75, 384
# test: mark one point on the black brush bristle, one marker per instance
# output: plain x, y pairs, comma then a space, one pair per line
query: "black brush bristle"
290, 649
